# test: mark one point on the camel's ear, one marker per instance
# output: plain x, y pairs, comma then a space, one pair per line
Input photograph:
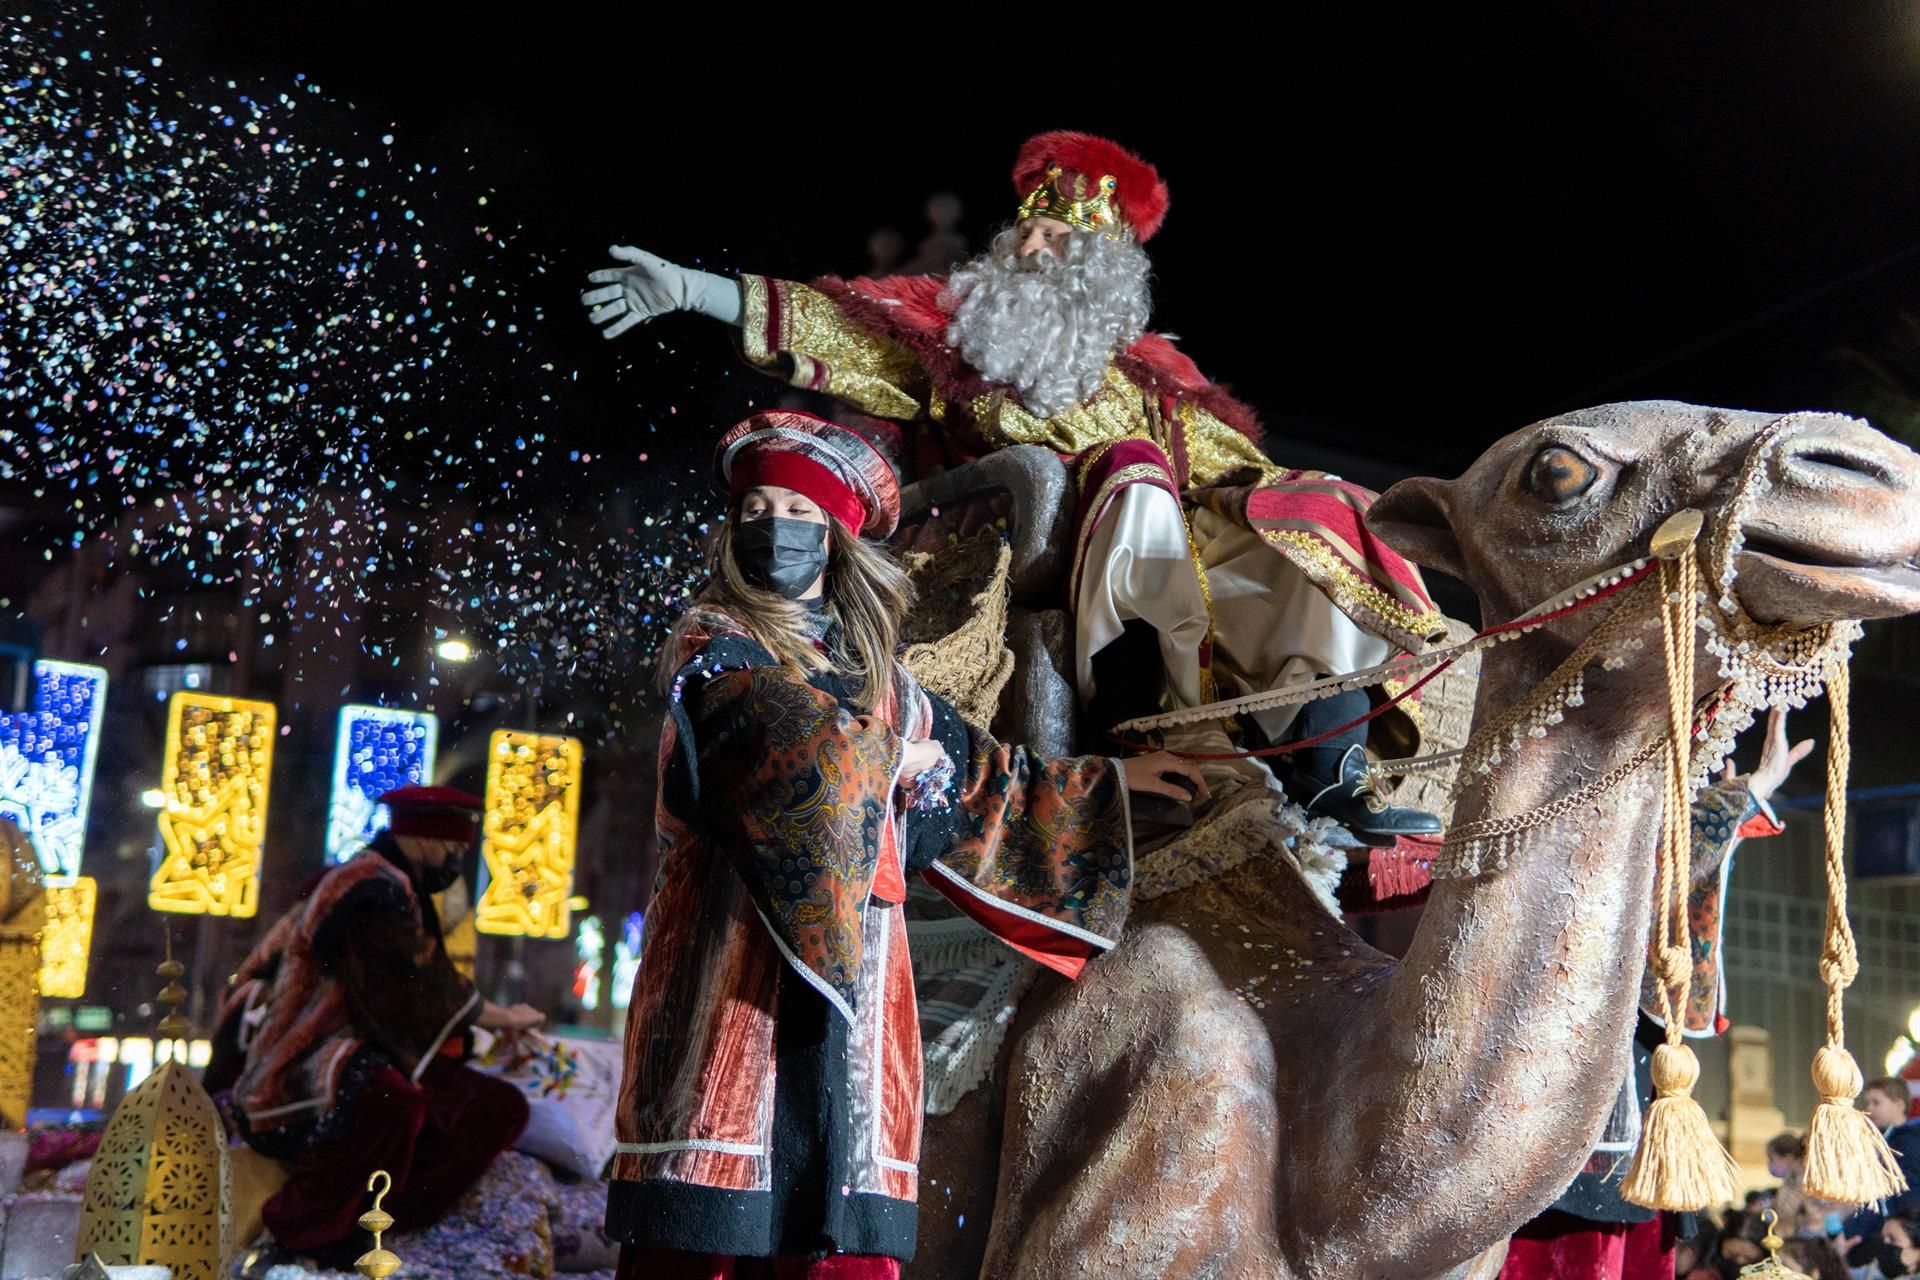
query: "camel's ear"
1415, 518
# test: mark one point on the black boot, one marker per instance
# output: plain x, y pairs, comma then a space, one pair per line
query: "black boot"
1330, 780
1338, 788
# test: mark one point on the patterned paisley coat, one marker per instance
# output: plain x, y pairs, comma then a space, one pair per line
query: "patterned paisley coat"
771, 1098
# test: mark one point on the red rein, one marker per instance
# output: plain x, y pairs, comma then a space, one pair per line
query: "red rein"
1318, 738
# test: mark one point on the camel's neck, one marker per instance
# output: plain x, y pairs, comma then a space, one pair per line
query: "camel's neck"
1514, 1007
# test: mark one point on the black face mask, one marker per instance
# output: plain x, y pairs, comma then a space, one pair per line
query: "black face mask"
783, 556
434, 879
1887, 1256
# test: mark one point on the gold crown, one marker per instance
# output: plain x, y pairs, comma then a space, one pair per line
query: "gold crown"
1090, 211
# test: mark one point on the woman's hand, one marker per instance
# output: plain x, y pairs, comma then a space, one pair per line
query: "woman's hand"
1153, 774
1776, 758
921, 756
519, 1017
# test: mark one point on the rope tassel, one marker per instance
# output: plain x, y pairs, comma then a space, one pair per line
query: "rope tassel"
1679, 1165
1848, 1161
1847, 1158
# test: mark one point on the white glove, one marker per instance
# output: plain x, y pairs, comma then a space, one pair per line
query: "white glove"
651, 287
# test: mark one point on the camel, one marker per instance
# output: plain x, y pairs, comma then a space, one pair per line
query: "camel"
1244, 1088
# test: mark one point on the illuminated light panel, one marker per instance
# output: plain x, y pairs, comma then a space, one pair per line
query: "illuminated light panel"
219, 760
377, 749
46, 761
527, 846
626, 959
589, 948
67, 937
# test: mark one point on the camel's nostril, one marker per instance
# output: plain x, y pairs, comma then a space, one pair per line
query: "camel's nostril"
1829, 458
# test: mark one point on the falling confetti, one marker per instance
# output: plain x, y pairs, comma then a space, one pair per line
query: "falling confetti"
310, 372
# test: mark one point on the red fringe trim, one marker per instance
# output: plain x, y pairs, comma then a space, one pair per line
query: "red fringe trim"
1403, 870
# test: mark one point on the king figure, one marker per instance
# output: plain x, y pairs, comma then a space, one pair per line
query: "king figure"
1234, 575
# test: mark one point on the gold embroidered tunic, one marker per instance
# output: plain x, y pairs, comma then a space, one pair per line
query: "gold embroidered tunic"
801, 334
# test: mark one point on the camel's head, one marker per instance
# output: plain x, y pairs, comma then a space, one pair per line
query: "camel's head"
1836, 535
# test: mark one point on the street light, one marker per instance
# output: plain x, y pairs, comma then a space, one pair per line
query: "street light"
454, 650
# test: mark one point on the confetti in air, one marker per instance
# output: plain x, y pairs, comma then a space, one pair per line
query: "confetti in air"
242, 353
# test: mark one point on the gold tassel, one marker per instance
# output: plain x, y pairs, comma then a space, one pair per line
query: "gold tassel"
1847, 1157
1848, 1160
1679, 1165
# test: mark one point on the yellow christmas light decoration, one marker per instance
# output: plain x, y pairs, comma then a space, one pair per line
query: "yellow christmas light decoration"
532, 819
67, 937
219, 758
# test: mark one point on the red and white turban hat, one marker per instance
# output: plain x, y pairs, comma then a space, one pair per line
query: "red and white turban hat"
835, 467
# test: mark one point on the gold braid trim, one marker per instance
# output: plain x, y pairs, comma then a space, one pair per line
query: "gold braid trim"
1356, 596
753, 320
1208, 692
817, 348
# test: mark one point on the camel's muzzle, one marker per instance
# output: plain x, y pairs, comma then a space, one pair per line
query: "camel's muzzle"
1838, 535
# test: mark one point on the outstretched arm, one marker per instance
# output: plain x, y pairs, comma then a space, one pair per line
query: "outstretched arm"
790, 330
648, 286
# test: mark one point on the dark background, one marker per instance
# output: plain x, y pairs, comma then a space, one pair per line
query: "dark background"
1396, 236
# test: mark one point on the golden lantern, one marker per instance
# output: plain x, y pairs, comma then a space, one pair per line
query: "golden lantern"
532, 820
219, 757
159, 1192
378, 1262
1770, 1267
23, 905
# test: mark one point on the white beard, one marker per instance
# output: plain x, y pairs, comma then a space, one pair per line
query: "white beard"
1046, 326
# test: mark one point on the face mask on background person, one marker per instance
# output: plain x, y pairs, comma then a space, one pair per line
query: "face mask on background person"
434, 879
781, 555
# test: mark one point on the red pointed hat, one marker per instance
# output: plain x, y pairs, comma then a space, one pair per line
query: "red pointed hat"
440, 813
1090, 183
839, 469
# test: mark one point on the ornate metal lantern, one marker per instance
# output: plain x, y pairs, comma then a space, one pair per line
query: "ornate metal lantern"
159, 1191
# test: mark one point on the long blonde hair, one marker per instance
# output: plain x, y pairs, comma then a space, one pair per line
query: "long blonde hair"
867, 593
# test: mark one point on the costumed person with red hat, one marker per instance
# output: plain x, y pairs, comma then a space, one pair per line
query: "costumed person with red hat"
770, 1111
1241, 576
344, 1034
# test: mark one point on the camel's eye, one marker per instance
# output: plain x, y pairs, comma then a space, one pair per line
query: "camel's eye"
1557, 474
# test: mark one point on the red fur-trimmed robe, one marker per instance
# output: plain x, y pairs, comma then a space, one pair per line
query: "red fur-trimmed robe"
337, 989
771, 1101
880, 345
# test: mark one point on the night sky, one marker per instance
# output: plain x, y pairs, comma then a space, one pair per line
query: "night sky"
1396, 239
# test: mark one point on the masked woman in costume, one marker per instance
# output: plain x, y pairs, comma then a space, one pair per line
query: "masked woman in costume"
770, 1111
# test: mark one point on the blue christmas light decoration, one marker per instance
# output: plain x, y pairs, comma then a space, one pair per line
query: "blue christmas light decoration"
46, 761
378, 749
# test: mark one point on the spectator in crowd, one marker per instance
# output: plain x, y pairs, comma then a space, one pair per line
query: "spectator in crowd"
1815, 1259
943, 247
1885, 1101
885, 248
1800, 1214
1898, 1251
1693, 1258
